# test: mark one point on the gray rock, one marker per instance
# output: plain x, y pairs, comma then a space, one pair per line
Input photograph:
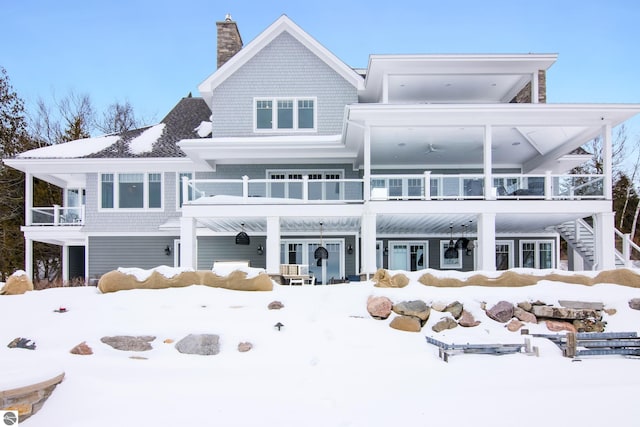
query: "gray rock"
565, 313
634, 303
202, 344
243, 347
275, 305
524, 316
455, 308
525, 305
444, 324
379, 307
415, 308
129, 343
501, 312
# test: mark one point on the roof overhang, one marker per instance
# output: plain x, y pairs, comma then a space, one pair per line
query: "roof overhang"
532, 137
286, 149
453, 78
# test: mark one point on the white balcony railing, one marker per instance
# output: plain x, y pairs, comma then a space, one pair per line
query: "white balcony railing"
426, 186
57, 215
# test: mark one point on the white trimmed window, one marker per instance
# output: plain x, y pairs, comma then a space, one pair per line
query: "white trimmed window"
131, 191
537, 254
296, 114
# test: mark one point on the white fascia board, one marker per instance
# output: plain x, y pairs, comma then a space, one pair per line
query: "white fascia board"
145, 164
281, 25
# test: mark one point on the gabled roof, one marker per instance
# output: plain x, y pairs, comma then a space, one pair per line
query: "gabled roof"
281, 25
158, 141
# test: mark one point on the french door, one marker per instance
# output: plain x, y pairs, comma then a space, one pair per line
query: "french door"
302, 252
408, 256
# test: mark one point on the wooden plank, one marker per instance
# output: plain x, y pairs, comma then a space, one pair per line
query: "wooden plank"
581, 305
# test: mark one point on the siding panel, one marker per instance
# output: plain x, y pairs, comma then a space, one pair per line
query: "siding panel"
109, 253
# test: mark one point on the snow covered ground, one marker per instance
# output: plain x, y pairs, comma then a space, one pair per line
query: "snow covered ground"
330, 365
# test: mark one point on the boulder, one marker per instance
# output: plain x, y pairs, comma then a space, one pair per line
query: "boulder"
202, 344
610, 311
634, 303
444, 324
243, 347
379, 307
406, 323
415, 308
275, 305
438, 306
524, 316
17, 284
501, 312
565, 313
525, 305
589, 325
455, 308
82, 349
129, 343
467, 320
559, 326
514, 325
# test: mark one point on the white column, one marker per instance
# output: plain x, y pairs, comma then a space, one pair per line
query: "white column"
366, 188
607, 161
368, 235
65, 263
535, 88
188, 243
487, 162
28, 257
604, 226
273, 245
28, 198
486, 248
385, 89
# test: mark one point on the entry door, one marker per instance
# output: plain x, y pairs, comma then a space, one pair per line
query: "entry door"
323, 270
408, 256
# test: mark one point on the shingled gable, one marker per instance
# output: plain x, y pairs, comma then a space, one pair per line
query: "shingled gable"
282, 24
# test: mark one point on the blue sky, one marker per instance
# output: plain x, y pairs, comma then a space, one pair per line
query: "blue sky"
153, 52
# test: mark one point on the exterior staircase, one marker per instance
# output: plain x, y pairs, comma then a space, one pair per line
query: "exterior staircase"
580, 236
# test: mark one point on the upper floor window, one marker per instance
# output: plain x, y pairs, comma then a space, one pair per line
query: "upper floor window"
297, 114
131, 191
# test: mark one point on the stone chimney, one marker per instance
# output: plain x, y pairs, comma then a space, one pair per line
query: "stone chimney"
229, 40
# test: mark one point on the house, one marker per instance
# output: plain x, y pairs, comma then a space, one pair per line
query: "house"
291, 156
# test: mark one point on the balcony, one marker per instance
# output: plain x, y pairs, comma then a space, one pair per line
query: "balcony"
57, 216
426, 186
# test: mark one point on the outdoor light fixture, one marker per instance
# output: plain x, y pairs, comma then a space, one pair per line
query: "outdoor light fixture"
386, 251
260, 249
451, 251
242, 238
167, 251
349, 249
321, 252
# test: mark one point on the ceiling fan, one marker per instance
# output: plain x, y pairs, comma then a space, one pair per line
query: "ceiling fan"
432, 149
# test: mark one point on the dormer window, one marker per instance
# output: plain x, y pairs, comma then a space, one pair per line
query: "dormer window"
282, 114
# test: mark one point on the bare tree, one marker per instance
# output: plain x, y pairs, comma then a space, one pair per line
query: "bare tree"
118, 118
67, 119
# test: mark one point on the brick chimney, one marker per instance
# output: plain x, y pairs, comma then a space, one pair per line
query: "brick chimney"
229, 40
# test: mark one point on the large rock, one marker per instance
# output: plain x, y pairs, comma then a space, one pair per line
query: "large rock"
202, 344
17, 284
634, 303
82, 349
559, 326
501, 312
129, 343
415, 308
379, 307
455, 308
525, 305
565, 313
444, 324
524, 316
406, 323
467, 320
275, 305
514, 325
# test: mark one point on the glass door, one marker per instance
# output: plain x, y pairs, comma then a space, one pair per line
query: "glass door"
408, 256
324, 270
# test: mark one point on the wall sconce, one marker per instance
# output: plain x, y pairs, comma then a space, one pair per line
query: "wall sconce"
349, 249
260, 249
167, 251
386, 251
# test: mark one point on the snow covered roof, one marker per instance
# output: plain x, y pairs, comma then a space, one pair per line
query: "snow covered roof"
184, 121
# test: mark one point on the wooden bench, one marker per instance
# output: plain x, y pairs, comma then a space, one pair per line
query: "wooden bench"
296, 274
